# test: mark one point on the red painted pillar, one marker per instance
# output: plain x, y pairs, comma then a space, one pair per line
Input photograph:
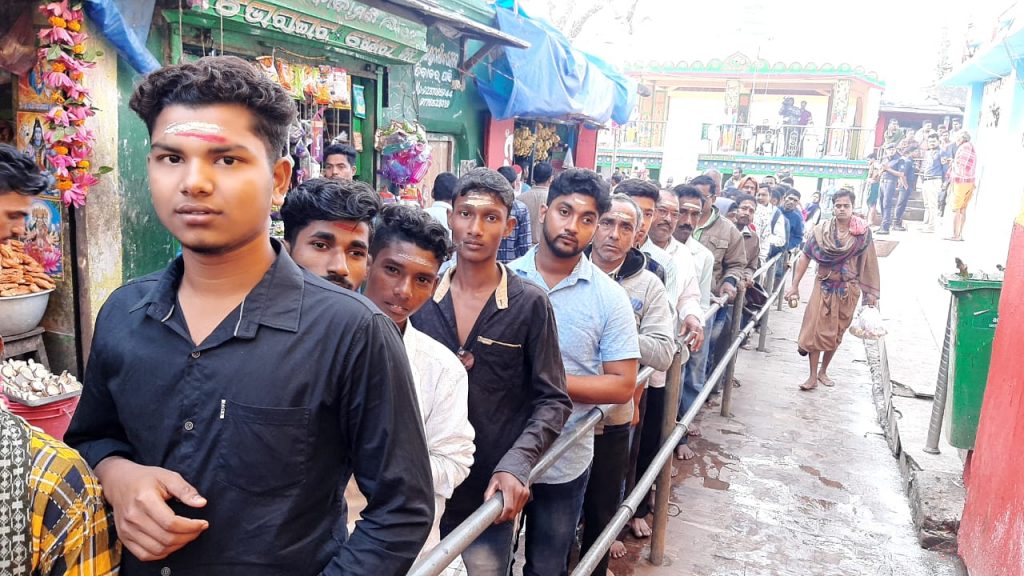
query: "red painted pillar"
991, 537
586, 149
498, 142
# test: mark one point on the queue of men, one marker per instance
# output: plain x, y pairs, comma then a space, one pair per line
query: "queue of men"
229, 399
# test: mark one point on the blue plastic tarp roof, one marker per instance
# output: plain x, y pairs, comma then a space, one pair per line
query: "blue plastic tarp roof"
551, 79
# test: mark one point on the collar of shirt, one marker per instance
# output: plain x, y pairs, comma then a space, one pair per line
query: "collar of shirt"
275, 301
441, 204
527, 267
500, 293
711, 222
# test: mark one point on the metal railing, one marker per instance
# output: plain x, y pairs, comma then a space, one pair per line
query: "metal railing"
660, 469
790, 140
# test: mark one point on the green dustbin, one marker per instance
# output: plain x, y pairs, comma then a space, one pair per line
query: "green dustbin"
974, 311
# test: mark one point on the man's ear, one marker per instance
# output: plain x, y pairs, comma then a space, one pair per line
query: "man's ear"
282, 180
510, 226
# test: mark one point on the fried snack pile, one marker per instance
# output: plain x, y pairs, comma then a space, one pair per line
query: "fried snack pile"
20, 274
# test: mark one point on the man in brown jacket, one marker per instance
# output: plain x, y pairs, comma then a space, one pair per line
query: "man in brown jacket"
725, 242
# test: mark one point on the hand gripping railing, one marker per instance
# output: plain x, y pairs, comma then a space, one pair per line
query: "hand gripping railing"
661, 467
465, 533
435, 561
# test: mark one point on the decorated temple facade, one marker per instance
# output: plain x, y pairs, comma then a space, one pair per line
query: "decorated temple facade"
812, 120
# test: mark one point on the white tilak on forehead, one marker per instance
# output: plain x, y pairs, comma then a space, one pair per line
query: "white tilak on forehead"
621, 215
688, 205
413, 258
192, 126
475, 199
578, 200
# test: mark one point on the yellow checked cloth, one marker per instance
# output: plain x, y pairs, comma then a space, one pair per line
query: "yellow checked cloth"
72, 532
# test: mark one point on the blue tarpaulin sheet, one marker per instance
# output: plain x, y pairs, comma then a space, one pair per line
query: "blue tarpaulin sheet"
107, 16
551, 79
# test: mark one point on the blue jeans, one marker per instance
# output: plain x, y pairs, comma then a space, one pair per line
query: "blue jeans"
901, 204
551, 520
694, 377
491, 553
888, 197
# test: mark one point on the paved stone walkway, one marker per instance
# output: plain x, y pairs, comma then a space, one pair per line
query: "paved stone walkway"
795, 482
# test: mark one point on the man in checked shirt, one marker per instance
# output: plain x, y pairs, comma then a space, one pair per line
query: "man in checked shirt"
52, 518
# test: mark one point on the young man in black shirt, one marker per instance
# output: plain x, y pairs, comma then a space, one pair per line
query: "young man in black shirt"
229, 397
503, 330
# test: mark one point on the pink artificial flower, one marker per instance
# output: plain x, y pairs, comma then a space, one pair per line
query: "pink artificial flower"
84, 136
83, 180
73, 64
79, 113
78, 38
62, 163
77, 92
57, 81
57, 115
55, 35
74, 196
58, 9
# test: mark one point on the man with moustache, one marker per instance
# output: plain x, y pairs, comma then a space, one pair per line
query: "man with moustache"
503, 330
597, 337
612, 251
328, 226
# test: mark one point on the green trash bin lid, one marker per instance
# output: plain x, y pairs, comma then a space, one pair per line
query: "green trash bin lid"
957, 283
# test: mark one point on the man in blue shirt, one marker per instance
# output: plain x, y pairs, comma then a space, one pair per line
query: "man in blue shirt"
932, 172
597, 336
893, 173
519, 241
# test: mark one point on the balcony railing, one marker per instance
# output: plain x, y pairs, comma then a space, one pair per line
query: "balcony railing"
634, 135
792, 141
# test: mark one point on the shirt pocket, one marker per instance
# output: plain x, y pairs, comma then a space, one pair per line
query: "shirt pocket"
263, 450
721, 246
504, 361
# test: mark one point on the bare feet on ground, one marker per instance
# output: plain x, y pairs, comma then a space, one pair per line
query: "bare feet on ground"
693, 430
639, 528
684, 452
824, 379
618, 550
810, 384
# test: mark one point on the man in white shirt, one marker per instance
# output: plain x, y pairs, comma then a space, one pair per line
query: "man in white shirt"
769, 223
444, 187
407, 249
645, 195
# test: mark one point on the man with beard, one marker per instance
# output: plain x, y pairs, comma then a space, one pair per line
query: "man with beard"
645, 195
745, 207
328, 226
503, 330
613, 252
340, 162
597, 337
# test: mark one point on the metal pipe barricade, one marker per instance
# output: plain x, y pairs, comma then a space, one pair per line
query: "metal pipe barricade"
661, 466
465, 533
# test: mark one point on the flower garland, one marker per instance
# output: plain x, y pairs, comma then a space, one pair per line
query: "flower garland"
70, 142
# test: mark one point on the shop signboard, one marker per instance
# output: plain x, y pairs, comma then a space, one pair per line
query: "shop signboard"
342, 23
438, 80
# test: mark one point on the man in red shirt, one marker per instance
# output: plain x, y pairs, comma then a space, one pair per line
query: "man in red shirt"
962, 178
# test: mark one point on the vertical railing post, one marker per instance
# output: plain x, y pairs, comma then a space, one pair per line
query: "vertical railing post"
737, 323
673, 389
782, 262
762, 336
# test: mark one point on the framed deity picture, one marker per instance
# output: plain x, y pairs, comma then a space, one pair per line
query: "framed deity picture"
43, 240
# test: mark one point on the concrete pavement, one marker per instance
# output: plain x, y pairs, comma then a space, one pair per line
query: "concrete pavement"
794, 482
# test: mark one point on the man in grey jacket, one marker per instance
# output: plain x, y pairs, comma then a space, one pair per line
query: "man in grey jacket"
613, 253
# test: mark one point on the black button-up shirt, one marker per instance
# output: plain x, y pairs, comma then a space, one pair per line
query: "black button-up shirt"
517, 398
301, 386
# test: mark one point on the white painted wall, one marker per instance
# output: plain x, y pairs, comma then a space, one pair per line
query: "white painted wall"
687, 111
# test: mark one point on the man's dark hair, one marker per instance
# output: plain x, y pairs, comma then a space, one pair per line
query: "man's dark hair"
617, 177
638, 188
779, 192
342, 149
398, 223
738, 168
793, 192
444, 187
542, 172
581, 181
509, 173
687, 191
216, 80
787, 180
764, 185
705, 180
741, 198
330, 201
844, 192
19, 173
486, 181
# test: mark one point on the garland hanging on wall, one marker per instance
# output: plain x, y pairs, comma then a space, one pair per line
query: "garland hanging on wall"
70, 141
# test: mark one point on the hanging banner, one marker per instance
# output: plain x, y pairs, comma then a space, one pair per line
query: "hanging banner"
343, 23
358, 102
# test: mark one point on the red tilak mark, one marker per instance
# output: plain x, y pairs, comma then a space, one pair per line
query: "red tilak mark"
204, 137
346, 225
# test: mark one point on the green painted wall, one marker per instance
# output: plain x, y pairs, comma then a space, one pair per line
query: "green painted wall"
146, 244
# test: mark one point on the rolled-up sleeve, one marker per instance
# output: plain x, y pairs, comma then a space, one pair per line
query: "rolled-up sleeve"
389, 455
551, 403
